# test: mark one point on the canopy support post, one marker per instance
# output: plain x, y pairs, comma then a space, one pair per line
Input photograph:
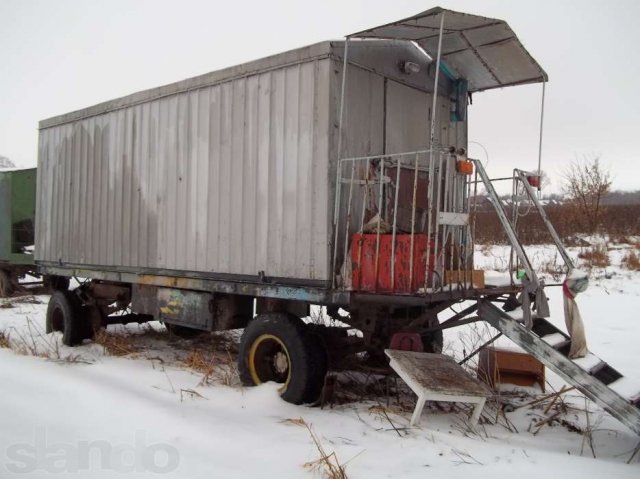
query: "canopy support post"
432, 135
544, 83
339, 165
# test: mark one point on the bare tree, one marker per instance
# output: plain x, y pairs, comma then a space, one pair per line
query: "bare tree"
586, 182
6, 163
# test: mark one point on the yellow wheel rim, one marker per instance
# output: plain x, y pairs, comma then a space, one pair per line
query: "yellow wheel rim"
268, 352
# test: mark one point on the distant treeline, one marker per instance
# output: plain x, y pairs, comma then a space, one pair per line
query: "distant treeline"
616, 197
619, 221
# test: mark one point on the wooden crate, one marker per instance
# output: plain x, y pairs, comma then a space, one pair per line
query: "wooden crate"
497, 366
455, 276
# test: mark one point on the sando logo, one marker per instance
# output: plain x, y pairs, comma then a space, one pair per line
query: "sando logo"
84, 455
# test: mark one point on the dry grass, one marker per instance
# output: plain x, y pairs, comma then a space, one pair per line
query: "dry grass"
33, 341
4, 340
328, 463
202, 362
212, 355
116, 345
596, 256
631, 261
553, 267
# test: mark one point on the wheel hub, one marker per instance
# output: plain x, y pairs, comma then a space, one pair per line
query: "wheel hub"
280, 363
269, 360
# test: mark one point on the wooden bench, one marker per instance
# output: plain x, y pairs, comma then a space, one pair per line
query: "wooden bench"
435, 377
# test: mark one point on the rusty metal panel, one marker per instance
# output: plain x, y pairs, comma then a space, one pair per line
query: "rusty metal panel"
185, 307
144, 299
369, 277
231, 311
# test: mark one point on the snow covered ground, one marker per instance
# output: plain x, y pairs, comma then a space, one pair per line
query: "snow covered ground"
85, 412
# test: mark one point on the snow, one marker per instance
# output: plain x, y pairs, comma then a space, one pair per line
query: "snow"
83, 412
554, 339
626, 387
587, 362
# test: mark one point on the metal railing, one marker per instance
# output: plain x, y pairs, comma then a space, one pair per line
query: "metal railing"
412, 194
508, 227
521, 183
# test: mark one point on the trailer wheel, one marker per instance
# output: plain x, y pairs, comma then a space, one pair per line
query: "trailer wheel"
63, 316
320, 357
92, 321
55, 282
277, 347
433, 341
6, 283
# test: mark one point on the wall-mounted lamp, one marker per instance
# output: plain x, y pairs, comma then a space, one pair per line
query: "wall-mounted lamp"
409, 67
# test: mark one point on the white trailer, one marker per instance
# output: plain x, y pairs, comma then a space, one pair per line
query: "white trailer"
335, 174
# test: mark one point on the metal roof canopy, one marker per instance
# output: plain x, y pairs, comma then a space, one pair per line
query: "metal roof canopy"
485, 51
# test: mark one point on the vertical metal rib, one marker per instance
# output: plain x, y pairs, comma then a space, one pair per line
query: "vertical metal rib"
437, 227
348, 221
338, 164
413, 219
395, 218
377, 259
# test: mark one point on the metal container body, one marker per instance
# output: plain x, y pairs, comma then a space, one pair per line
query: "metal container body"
230, 174
229, 178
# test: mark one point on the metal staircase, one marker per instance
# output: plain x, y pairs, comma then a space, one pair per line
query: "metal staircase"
595, 378
592, 376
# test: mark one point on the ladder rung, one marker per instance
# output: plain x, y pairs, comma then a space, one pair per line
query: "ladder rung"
589, 363
597, 368
554, 339
606, 374
542, 327
563, 347
625, 387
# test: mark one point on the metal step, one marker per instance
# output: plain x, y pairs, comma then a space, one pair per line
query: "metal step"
561, 342
597, 380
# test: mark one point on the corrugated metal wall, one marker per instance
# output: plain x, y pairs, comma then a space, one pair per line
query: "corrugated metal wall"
231, 178
408, 126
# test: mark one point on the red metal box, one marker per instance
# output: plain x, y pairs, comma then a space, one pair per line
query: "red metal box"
363, 257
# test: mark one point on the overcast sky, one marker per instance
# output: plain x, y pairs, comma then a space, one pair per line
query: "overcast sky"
59, 56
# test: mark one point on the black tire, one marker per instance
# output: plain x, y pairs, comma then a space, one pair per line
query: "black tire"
282, 338
182, 332
63, 315
7, 286
433, 341
320, 357
92, 321
54, 283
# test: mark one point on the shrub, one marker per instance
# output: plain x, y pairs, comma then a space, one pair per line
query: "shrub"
631, 261
596, 256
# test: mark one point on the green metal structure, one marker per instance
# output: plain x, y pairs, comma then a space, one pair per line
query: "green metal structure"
17, 216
